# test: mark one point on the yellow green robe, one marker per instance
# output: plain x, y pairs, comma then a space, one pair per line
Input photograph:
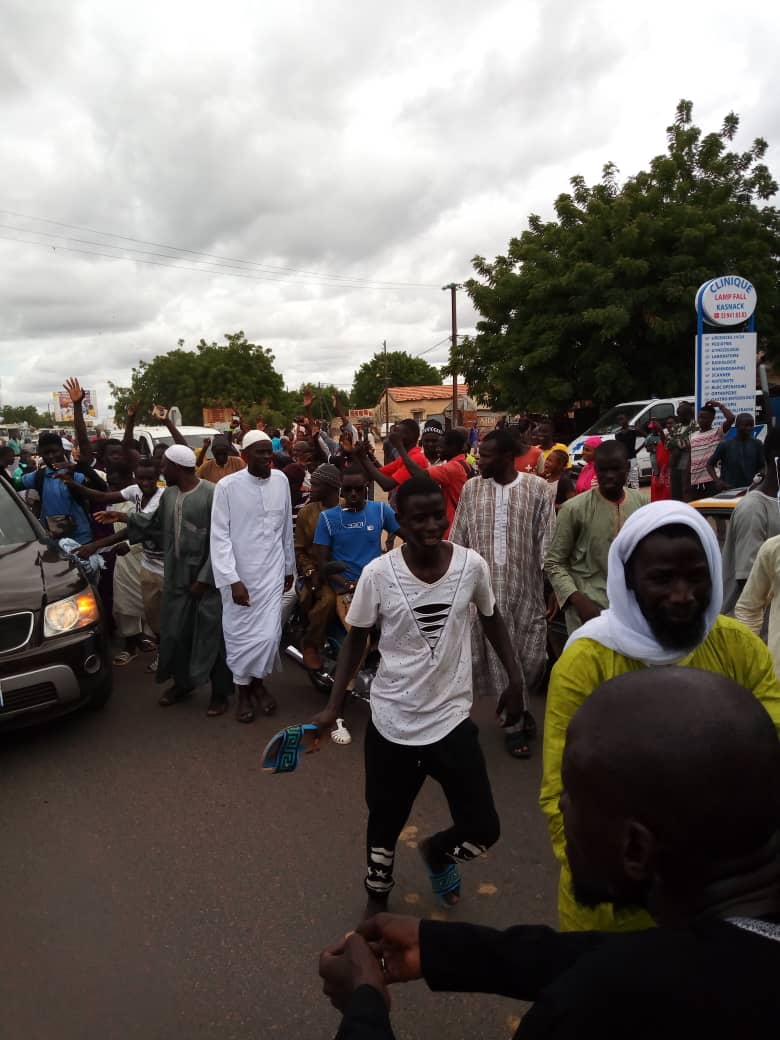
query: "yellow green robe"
730, 649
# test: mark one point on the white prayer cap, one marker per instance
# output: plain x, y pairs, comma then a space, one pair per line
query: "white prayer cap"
181, 455
252, 437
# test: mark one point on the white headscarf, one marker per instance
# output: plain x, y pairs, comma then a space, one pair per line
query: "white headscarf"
622, 627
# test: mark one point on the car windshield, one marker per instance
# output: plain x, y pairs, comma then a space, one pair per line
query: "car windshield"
15, 528
195, 440
608, 423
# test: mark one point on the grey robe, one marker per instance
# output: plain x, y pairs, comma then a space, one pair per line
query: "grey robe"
191, 638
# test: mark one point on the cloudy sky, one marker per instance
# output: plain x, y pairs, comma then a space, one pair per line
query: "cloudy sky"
337, 161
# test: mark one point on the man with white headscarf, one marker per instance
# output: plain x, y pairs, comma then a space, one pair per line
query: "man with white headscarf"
254, 564
665, 590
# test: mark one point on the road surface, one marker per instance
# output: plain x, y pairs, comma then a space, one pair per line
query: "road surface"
157, 884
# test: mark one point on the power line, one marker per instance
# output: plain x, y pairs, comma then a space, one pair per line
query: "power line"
181, 267
356, 279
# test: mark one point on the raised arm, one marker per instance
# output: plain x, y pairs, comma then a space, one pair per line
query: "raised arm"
370, 468
414, 469
728, 415
200, 458
76, 394
175, 432
132, 414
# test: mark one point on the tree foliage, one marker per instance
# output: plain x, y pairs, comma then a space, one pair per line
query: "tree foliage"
402, 370
599, 303
236, 373
18, 415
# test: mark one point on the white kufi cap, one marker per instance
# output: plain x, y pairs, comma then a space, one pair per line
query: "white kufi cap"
181, 455
252, 437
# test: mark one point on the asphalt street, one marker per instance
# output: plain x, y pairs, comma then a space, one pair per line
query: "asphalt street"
157, 884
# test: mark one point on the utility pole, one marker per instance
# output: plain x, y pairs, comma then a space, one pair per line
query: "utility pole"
387, 400
453, 288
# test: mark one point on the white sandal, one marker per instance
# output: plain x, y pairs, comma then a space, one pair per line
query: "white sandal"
124, 657
341, 735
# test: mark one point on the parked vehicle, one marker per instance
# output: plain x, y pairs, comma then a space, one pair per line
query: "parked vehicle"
718, 510
639, 413
150, 436
54, 648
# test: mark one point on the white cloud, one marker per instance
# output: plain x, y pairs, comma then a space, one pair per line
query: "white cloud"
374, 141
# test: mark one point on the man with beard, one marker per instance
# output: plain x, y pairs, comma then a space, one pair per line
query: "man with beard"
682, 820
664, 589
576, 562
192, 649
254, 564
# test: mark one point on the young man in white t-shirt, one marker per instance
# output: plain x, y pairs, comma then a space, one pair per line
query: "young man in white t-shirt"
420, 596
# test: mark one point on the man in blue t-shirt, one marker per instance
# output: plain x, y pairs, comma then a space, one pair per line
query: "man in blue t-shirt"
57, 499
352, 535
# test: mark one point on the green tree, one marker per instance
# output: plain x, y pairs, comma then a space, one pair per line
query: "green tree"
236, 373
598, 304
402, 370
17, 415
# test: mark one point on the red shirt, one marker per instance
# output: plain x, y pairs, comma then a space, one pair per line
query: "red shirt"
397, 468
529, 461
451, 476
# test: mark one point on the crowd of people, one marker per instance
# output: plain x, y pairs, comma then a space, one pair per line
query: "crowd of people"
661, 788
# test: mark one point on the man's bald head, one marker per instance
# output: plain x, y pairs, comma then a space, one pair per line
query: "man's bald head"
668, 774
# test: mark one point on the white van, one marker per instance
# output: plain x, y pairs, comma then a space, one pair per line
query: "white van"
149, 437
639, 415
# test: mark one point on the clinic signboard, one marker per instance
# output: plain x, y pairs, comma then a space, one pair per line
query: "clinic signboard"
726, 343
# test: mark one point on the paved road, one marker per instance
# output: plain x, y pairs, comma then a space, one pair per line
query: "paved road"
157, 884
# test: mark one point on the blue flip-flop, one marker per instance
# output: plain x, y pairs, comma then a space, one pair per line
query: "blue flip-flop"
444, 883
283, 751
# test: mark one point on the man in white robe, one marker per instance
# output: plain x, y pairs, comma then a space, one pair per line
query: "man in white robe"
253, 561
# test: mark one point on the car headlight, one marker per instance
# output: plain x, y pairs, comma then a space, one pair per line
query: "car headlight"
66, 615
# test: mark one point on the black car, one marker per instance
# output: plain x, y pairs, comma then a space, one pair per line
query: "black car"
54, 647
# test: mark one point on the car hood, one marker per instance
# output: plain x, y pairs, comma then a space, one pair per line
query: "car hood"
32, 574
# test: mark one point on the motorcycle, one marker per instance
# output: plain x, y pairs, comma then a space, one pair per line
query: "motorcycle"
322, 678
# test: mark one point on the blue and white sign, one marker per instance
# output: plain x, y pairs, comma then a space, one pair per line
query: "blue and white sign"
727, 301
726, 361
726, 370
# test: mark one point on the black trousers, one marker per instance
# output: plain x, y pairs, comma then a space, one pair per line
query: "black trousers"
395, 774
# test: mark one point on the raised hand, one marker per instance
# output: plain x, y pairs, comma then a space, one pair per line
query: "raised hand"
308, 398
74, 390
